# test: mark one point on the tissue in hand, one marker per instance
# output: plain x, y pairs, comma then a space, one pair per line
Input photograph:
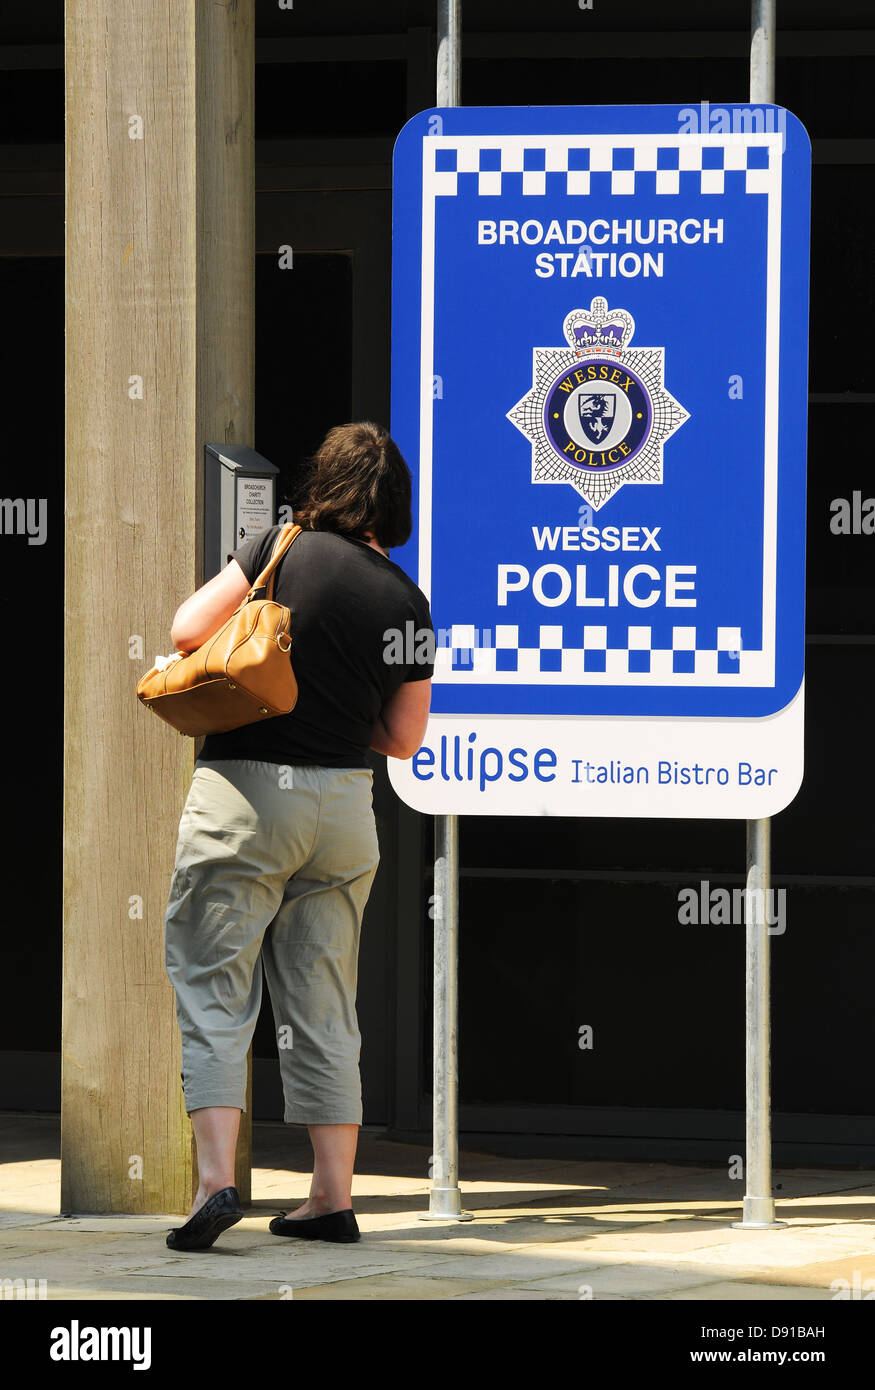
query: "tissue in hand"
162, 662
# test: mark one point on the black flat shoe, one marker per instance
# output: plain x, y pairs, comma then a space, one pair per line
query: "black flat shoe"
339, 1226
218, 1212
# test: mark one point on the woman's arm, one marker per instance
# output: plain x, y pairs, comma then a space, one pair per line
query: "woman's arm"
401, 723
208, 608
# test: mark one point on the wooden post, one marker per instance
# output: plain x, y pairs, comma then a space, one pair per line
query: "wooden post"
160, 267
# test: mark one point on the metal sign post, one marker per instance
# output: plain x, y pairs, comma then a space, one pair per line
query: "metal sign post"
445, 1198
758, 1210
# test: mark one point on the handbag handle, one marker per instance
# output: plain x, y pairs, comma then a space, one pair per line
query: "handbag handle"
290, 532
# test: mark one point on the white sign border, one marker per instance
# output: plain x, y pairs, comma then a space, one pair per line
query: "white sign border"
556, 144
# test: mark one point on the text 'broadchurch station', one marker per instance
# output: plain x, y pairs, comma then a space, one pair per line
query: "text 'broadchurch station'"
600, 232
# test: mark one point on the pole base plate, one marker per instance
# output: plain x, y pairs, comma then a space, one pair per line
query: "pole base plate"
758, 1214
445, 1204
758, 1225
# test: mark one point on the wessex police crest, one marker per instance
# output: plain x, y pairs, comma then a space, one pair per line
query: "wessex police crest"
598, 413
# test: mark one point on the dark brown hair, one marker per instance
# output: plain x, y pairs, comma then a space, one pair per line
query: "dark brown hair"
358, 482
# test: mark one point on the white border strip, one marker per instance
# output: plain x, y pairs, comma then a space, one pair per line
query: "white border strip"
514, 145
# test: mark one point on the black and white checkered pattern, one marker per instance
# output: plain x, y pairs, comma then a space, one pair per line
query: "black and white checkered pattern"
490, 170
583, 649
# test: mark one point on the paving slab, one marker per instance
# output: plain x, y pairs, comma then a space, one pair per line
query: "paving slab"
776, 1250
96, 1290
47, 1240
297, 1263
519, 1266
111, 1225
631, 1280
740, 1292
10, 1219
390, 1286
82, 1269
854, 1204
476, 1237
513, 1294
669, 1238
857, 1272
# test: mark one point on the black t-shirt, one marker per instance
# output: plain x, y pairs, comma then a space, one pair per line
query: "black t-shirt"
344, 598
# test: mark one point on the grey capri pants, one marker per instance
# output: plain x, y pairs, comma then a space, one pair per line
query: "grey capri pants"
273, 861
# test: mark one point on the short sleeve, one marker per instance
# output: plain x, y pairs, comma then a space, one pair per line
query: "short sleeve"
422, 666
254, 553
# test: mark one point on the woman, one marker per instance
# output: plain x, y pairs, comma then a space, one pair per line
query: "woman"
277, 846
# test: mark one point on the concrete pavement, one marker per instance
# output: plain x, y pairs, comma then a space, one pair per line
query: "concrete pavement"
543, 1229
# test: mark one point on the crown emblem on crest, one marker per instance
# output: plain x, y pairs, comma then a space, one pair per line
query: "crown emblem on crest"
595, 330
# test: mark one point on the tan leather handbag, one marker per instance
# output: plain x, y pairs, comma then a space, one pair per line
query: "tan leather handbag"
240, 675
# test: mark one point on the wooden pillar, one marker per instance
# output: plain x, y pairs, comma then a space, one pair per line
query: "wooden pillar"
160, 272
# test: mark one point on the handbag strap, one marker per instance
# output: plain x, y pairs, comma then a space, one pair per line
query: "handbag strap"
290, 532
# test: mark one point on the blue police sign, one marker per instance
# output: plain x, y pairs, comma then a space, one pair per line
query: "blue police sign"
599, 346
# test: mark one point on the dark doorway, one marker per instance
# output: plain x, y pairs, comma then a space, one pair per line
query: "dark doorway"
32, 570
303, 356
